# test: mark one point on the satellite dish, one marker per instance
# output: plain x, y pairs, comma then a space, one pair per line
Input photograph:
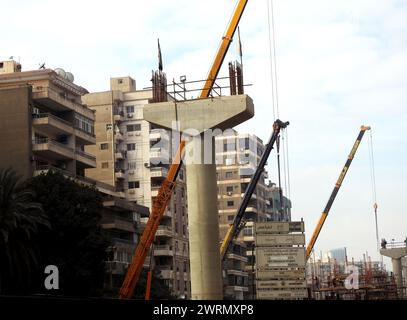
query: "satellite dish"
69, 76
61, 72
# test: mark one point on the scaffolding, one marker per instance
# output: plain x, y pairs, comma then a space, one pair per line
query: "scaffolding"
327, 281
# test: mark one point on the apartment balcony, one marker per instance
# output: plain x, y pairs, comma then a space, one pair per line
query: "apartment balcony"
158, 173
166, 272
51, 124
86, 159
43, 169
59, 101
159, 155
167, 214
251, 209
164, 250
120, 155
164, 231
237, 273
116, 267
120, 175
118, 137
154, 191
119, 224
254, 196
84, 137
236, 288
236, 257
118, 116
158, 134
51, 149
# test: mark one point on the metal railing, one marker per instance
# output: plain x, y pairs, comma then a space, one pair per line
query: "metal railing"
178, 90
49, 141
66, 173
85, 154
51, 116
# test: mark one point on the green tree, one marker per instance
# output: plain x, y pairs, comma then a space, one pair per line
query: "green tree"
20, 219
76, 243
159, 290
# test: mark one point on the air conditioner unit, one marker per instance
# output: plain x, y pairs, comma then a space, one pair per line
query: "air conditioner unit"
129, 115
130, 134
131, 191
229, 193
138, 133
147, 164
131, 172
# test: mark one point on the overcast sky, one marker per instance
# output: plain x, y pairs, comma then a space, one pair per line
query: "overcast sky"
340, 64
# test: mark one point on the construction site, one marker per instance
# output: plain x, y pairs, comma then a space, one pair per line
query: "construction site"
192, 200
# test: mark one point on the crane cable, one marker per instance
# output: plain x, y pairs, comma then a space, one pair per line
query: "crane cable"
275, 103
373, 185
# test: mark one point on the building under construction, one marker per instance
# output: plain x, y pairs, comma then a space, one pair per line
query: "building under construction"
332, 279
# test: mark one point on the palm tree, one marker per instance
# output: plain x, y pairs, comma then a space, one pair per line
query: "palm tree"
20, 219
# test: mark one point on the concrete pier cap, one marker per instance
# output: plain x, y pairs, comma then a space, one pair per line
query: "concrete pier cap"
194, 118
201, 114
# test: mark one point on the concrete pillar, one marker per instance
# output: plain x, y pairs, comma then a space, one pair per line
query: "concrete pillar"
201, 115
396, 254
206, 277
398, 275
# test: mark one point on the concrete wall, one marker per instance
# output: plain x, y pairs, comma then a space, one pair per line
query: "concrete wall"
15, 128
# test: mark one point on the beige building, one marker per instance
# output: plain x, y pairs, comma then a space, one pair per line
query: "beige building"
237, 158
134, 157
45, 126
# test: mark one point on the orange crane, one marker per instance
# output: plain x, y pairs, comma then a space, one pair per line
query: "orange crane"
164, 194
338, 184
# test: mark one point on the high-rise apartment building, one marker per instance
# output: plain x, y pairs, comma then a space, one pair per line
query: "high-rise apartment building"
44, 123
237, 158
45, 126
134, 157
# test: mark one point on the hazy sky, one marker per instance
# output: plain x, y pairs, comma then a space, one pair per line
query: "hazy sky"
340, 64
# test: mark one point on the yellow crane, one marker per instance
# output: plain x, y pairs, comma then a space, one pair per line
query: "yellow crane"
338, 184
164, 194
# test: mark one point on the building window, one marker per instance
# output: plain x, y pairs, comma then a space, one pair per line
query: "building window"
229, 147
231, 217
246, 143
105, 165
131, 146
83, 123
248, 231
133, 127
134, 184
184, 230
119, 81
176, 246
132, 165
230, 203
130, 109
104, 146
229, 189
109, 126
176, 227
229, 174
